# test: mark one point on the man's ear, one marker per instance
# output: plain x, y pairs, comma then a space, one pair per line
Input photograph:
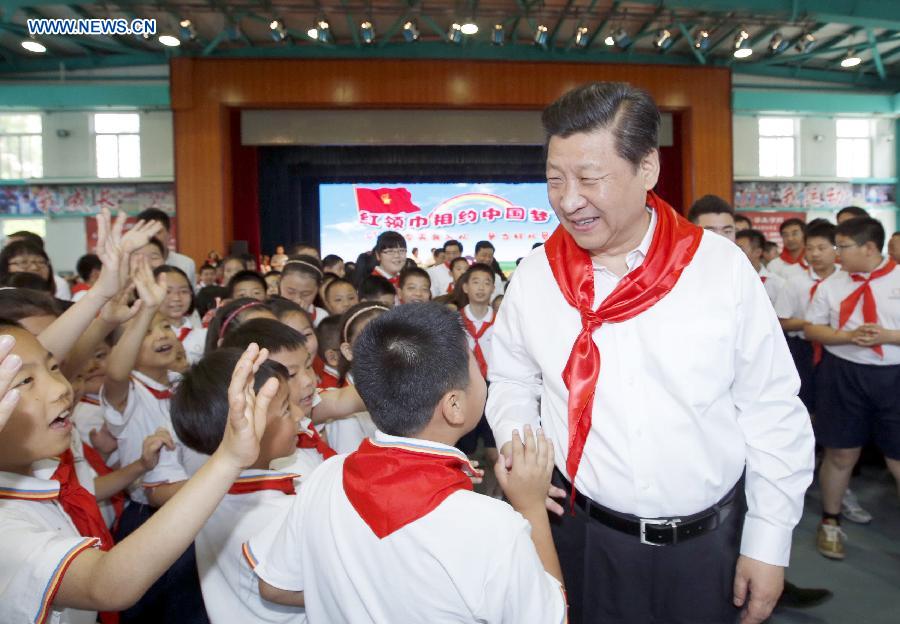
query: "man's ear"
649, 169
347, 351
452, 407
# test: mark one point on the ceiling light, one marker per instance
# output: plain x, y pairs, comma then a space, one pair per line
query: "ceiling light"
540, 35
454, 34
367, 32
581, 37
621, 38
410, 32
742, 47
33, 46
610, 40
663, 39
497, 36
469, 27
169, 40
806, 42
778, 44
701, 39
278, 30
187, 30
851, 59
324, 31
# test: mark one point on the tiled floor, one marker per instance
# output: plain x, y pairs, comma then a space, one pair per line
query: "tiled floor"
866, 584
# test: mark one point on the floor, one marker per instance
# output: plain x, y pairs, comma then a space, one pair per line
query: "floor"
866, 584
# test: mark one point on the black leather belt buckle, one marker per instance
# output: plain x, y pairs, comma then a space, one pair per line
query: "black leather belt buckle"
655, 532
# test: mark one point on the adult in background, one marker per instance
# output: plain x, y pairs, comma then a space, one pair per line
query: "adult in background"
694, 406
173, 258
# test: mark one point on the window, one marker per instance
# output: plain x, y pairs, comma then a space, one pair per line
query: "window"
854, 148
118, 145
21, 153
776, 147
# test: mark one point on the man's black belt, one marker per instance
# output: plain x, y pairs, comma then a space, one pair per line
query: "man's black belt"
657, 531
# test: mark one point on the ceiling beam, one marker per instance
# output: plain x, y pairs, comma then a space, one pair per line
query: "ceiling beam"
876, 55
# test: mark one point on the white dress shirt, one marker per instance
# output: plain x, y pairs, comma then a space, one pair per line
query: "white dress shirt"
440, 279
184, 263
793, 298
63, 291
230, 588
691, 392
772, 282
39, 539
784, 270
471, 559
826, 307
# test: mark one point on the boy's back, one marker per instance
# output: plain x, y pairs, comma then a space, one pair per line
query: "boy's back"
470, 559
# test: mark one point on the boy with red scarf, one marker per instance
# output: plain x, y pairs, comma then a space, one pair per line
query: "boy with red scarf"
393, 532
791, 262
855, 315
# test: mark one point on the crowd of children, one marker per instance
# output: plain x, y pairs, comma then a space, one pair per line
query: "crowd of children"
290, 440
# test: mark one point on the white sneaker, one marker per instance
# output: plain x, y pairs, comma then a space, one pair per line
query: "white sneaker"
851, 509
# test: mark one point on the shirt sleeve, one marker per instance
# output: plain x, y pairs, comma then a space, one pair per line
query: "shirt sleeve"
518, 588
116, 421
515, 391
33, 561
274, 553
787, 304
776, 426
169, 468
819, 312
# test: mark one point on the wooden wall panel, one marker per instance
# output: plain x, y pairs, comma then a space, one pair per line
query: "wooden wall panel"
205, 90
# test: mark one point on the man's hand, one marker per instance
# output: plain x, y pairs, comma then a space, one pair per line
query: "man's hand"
246, 410
153, 444
764, 582
527, 481
553, 491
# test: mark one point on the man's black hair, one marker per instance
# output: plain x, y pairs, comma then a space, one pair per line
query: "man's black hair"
757, 239
375, 286
484, 245
739, 217
709, 204
155, 214
267, 333
862, 230
855, 211
199, 405
792, 221
405, 361
453, 242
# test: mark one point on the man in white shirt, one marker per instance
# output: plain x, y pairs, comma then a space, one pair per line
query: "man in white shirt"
174, 258
484, 253
791, 261
751, 243
696, 386
441, 278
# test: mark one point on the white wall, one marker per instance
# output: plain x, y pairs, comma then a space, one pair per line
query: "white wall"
71, 159
816, 158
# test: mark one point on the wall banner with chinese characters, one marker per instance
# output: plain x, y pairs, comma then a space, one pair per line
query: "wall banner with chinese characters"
83, 200
769, 222
811, 195
512, 216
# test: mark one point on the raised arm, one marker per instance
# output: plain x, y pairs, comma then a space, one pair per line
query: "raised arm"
124, 354
162, 539
337, 404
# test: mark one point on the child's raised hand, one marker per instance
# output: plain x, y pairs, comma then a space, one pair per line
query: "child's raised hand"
526, 480
139, 235
151, 290
9, 368
246, 409
153, 445
116, 311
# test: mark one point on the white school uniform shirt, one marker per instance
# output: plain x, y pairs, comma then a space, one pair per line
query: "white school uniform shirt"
771, 282
826, 306
346, 434
485, 340
441, 279
142, 416
304, 460
499, 287
317, 314
471, 559
793, 298
704, 374
39, 543
63, 291
230, 588
88, 415
195, 342
784, 270
87, 474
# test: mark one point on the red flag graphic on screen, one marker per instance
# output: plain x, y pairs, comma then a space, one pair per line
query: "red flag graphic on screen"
384, 201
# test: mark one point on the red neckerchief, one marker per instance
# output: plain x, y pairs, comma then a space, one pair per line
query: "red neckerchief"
159, 394
674, 243
450, 288
789, 259
391, 484
89, 400
869, 309
328, 380
95, 459
183, 333
476, 335
312, 313
763, 278
79, 504
309, 438
318, 366
817, 346
395, 280
249, 485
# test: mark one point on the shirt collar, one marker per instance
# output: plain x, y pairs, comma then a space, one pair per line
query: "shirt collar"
257, 474
636, 256
25, 487
763, 271
487, 317
417, 445
884, 261
152, 383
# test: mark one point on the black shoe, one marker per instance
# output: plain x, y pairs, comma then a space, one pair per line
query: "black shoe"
794, 597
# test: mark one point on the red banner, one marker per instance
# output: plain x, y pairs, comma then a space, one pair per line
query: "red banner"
769, 222
384, 201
